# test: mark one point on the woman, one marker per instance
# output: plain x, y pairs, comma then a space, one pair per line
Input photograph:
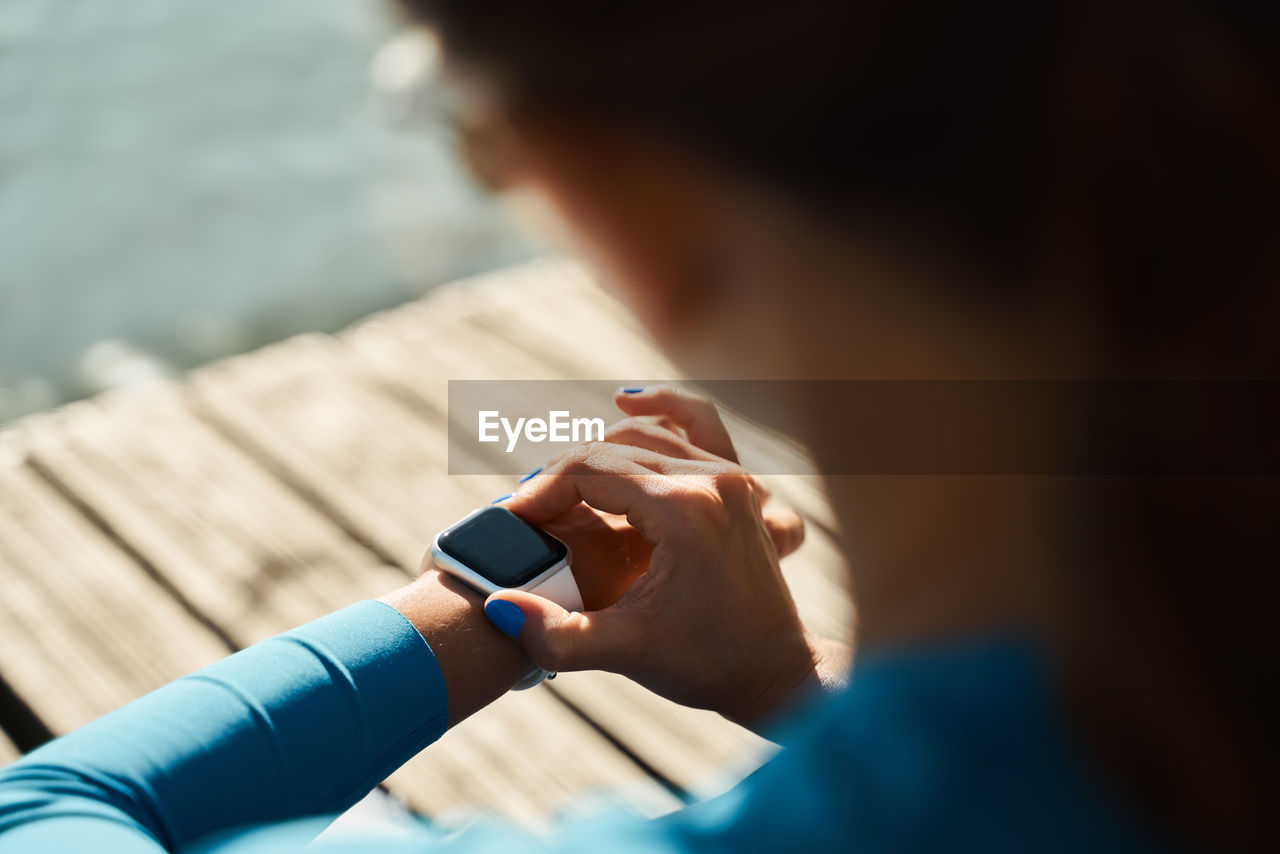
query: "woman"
888, 192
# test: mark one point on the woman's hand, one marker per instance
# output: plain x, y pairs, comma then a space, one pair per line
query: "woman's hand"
608, 553
705, 618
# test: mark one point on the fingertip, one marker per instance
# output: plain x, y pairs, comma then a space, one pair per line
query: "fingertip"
518, 502
787, 529
627, 396
505, 615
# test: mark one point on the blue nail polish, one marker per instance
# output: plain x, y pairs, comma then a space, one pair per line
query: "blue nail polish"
502, 498
533, 473
506, 616
631, 389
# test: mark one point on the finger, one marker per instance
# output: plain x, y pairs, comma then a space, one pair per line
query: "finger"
599, 475
557, 639
693, 463
664, 437
671, 449
664, 422
646, 433
625, 481
786, 529
696, 414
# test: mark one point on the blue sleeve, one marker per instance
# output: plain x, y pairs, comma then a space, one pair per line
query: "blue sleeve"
926, 751
302, 724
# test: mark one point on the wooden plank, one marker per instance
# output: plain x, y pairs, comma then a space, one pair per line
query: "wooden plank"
698, 748
83, 628
244, 548
339, 441
523, 747
231, 539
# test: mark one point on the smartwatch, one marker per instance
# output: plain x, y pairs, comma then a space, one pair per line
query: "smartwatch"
493, 549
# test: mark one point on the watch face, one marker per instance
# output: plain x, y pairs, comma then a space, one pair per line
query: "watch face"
502, 547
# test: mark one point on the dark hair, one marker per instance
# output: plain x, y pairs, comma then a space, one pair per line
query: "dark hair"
1123, 156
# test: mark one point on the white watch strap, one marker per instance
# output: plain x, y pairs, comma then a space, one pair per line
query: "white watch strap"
532, 678
562, 589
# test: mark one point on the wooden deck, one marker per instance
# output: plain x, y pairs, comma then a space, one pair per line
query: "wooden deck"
150, 531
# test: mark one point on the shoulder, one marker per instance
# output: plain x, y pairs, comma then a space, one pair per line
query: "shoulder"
956, 748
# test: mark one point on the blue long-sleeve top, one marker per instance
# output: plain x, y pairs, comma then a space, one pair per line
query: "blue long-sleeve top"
955, 749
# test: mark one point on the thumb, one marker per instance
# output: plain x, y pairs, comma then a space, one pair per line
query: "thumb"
786, 529
554, 638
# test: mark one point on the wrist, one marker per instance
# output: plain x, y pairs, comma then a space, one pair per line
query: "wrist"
479, 663
777, 682
833, 661
814, 665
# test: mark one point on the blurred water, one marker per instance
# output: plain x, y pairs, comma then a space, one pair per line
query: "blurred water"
181, 179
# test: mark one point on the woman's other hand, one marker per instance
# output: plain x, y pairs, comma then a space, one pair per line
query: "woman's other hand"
705, 618
609, 554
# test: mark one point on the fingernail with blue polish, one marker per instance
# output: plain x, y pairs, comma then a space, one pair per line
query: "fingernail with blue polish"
502, 498
631, 389
533, 473
506, 616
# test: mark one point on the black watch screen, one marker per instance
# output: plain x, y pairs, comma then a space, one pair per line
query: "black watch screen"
502, 547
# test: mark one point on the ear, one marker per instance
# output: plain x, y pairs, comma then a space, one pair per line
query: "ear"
641, 210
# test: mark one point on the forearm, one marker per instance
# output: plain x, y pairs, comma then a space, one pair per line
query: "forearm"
301, 724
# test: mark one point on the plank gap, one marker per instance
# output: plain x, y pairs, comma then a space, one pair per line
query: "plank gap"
23, 726
684, 796
314, 498
116, 539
